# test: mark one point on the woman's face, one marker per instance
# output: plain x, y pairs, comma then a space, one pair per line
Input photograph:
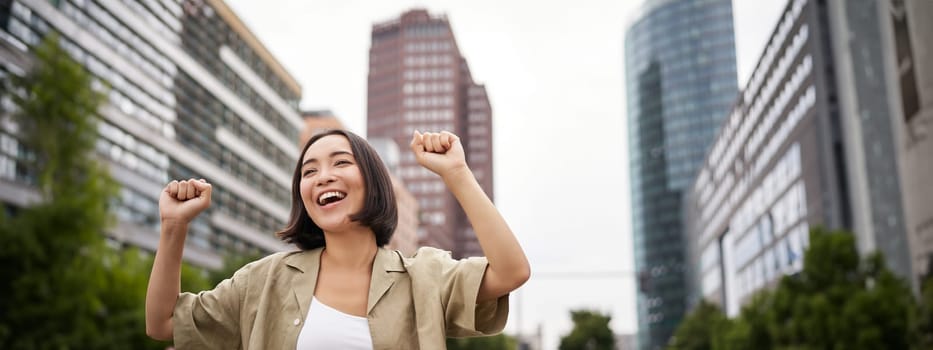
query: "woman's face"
331, 186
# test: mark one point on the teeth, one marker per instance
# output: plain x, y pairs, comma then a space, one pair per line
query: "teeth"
327, 195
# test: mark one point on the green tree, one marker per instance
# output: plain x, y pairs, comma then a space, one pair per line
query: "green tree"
496, 342
47, 270
590, 332
924, 324
61, 286
750, 329
700, 330
838, 301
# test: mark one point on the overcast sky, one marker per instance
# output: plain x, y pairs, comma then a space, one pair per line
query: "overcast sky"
554, 73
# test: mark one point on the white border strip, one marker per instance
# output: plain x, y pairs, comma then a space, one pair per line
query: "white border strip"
243, 150
148, 240
196, 163
247, 233
254, 81
203, 77
90, 43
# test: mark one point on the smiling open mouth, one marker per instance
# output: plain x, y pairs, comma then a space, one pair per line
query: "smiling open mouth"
330, 197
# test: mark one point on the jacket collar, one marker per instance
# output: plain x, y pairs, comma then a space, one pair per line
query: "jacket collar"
307, 263
389, 265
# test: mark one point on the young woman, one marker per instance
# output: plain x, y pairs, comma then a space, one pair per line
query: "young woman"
341, 290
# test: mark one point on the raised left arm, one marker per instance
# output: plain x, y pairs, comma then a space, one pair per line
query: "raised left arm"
508, 267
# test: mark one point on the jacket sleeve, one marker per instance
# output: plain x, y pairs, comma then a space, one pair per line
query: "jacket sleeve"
211, 319
458, 283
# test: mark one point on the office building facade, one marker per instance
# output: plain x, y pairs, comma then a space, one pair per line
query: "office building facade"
192, 94
906, 25
419, 80
813, 140
680, 82
774, 171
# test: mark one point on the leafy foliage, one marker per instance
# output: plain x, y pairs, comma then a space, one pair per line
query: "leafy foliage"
590, 332
702, 330
496, 342
50, 273
924, 324
838, 301
61, 285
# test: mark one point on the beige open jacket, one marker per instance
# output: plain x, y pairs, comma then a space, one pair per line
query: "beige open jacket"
414, 303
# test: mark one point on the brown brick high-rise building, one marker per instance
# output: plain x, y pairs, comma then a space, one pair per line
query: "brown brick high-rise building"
418, 80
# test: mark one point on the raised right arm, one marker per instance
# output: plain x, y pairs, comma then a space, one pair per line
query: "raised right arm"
179, 203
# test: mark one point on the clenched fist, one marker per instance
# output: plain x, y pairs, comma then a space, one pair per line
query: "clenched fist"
182, 201
440, 152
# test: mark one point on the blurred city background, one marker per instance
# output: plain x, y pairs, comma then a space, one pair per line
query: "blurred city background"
683, 174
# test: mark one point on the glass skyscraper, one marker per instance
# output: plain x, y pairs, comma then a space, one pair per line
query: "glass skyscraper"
680, 82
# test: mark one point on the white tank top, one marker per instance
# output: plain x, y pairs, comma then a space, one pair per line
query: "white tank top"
328, 328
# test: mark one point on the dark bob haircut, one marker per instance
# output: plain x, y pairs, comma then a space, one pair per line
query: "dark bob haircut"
379, 211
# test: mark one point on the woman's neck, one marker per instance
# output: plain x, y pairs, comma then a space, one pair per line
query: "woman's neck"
352, 249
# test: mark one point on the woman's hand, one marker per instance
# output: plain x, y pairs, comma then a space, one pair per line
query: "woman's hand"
179, 203
508, 267
440, 152
182, 201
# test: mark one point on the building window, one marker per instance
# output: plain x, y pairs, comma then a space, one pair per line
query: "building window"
905, 61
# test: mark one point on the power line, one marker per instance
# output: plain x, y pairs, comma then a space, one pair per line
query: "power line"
570, 275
